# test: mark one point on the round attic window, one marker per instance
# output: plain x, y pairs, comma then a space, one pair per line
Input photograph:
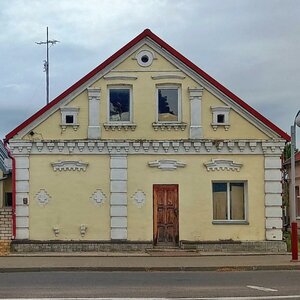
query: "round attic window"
144, 58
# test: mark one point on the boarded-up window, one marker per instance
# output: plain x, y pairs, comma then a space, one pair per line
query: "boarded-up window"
228, 201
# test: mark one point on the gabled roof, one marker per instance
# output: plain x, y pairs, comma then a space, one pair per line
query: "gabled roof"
148, 34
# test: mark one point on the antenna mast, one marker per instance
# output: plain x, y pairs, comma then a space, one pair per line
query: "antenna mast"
46, 62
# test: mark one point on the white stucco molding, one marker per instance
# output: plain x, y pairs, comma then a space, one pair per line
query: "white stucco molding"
167, 76
195, 95
188, 146
98, 197
166, 164
94, 129
222, 165
42, 197
69, 165
119, 77
169, 126
139, 198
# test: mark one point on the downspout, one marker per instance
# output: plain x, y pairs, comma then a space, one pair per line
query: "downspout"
13, 190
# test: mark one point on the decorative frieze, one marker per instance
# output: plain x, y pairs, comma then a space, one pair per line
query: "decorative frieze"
202, 146
69, 165
222, 165
166, 164
119, 127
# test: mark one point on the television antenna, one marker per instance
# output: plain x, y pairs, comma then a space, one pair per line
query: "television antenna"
46, 62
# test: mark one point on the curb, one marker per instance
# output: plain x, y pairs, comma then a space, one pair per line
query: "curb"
151, 269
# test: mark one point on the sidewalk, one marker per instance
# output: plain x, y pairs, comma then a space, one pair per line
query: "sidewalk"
143, 261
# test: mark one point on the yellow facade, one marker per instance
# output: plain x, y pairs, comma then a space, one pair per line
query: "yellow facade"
122, 163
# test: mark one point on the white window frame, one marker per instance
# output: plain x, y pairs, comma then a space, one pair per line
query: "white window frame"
220, 110
69, 111
228, 203
166, 87
120, 87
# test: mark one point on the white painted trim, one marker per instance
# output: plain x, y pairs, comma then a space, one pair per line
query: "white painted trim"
119, 77
69, 165
195, 95
167, 76
166, 164
222, 165
94, 129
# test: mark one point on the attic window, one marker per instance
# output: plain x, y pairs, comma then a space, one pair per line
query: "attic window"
145, 58
69, 117
220, 117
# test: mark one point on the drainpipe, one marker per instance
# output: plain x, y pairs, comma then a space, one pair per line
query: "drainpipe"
13, 190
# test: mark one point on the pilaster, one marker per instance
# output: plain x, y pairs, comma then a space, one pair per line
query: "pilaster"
22, 196
94, 129
118, 196
196, 130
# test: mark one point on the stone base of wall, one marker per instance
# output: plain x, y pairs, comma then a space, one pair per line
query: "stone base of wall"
107, 246
77, 246
236, 246
4, 247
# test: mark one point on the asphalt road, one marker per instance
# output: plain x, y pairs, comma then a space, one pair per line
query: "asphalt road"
150, 284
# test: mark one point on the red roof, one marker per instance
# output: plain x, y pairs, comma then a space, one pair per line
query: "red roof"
148, 34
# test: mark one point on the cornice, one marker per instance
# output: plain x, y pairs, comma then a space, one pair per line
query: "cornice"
272, 148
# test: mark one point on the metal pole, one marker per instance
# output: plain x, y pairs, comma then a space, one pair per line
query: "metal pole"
294, 224
47, 69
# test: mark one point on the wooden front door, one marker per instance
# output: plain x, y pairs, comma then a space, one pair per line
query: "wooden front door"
165, 205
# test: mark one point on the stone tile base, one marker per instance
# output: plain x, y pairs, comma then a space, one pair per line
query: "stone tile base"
4, 247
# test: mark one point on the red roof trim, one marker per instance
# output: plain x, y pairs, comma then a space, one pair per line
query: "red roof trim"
155, 38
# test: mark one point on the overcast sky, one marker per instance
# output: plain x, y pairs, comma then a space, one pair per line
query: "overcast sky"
250, 46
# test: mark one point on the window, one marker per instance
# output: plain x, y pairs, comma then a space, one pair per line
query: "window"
220, 117
229, 201
145, 58
69, 117
119, 104
8, 199
168, 104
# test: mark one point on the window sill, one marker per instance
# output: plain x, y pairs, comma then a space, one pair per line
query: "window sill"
119, 127
64, 126
168, 126
230, 222
216, 125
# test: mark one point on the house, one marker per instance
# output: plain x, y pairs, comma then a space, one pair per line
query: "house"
287, 166
5, 200
147, 150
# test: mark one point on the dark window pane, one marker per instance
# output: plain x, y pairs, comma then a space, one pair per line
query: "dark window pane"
167, 105
219, 201
69, 119
220, 118
8, 199
119, 104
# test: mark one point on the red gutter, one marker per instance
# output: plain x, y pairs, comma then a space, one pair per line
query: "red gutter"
14, 227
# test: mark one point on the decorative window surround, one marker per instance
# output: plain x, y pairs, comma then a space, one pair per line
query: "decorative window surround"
168, 126
119, 127
69, 117
145, 58
196, 131
119, 77
69, 165
245, 147
139, 198
222, 165
167, 76
42, 197
98, 197
94, 129
166, 164
220, 117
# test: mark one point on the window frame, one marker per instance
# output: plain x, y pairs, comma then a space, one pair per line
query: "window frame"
69, 111
228, 203
120, 87
179, 99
